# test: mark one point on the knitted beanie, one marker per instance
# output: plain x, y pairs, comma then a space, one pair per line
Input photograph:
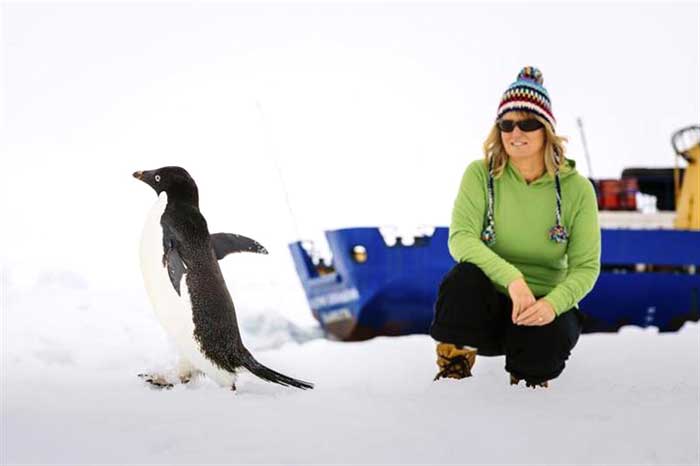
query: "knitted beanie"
527, 94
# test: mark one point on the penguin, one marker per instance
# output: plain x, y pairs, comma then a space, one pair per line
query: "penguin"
179, 261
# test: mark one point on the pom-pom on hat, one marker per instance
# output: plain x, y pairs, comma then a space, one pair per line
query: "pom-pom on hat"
527, 94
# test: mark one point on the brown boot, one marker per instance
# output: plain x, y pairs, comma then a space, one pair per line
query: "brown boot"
454, 362
516, 381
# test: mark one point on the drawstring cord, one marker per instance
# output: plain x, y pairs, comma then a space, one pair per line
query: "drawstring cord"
557, 233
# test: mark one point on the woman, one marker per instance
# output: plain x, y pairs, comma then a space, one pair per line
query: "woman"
526, 238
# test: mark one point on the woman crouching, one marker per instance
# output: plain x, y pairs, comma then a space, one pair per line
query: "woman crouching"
526, 237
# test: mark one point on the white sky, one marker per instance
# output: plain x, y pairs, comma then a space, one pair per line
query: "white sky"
371, 111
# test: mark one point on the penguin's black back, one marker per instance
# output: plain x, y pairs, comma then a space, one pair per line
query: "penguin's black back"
213, 312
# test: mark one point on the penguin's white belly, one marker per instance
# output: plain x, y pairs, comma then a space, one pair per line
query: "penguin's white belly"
174, 312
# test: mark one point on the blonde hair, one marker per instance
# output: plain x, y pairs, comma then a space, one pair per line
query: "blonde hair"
554, 148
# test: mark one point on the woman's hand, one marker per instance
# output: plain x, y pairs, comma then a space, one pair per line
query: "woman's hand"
540, 313
521, 296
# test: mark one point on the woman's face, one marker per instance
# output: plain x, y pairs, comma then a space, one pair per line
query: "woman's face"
521, 144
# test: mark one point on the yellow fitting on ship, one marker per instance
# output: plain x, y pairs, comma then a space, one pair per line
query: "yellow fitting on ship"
688, 200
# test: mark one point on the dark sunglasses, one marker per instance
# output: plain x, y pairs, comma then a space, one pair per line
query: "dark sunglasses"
528, 125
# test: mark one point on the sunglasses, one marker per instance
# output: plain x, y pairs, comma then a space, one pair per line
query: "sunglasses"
528, 125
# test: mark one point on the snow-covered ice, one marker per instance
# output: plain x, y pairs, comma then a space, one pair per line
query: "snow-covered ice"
72, 395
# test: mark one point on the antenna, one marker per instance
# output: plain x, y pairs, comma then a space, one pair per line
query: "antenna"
273, 155
579, 121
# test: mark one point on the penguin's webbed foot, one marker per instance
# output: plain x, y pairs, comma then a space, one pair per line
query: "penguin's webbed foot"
157, 381
185, 373
187, 377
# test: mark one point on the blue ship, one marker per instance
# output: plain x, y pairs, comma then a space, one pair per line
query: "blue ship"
376, 287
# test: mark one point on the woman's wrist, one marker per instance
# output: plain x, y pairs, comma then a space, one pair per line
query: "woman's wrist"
516, 281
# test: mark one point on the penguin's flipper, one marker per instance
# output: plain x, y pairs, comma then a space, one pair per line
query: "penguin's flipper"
176, 268
172, 260
227, 243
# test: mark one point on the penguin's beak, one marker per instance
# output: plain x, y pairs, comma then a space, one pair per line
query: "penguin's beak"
147, 176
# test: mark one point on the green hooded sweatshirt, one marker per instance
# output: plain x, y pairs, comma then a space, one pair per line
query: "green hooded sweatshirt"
562, 273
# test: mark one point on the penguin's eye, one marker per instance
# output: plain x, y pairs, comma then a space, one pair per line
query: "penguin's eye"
157, 178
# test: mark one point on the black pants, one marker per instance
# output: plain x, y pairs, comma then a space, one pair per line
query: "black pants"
470, 311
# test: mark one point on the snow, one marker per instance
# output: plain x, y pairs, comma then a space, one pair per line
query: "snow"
72, 395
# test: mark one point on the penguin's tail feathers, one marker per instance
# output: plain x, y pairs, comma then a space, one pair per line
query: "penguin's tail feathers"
265, 373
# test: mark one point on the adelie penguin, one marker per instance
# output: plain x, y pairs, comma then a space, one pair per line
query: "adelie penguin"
179, 260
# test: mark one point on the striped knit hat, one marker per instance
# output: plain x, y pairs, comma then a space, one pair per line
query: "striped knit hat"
529, 95
526, 94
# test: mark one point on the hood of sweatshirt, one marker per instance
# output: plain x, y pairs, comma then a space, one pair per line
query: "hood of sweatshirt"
568, 170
